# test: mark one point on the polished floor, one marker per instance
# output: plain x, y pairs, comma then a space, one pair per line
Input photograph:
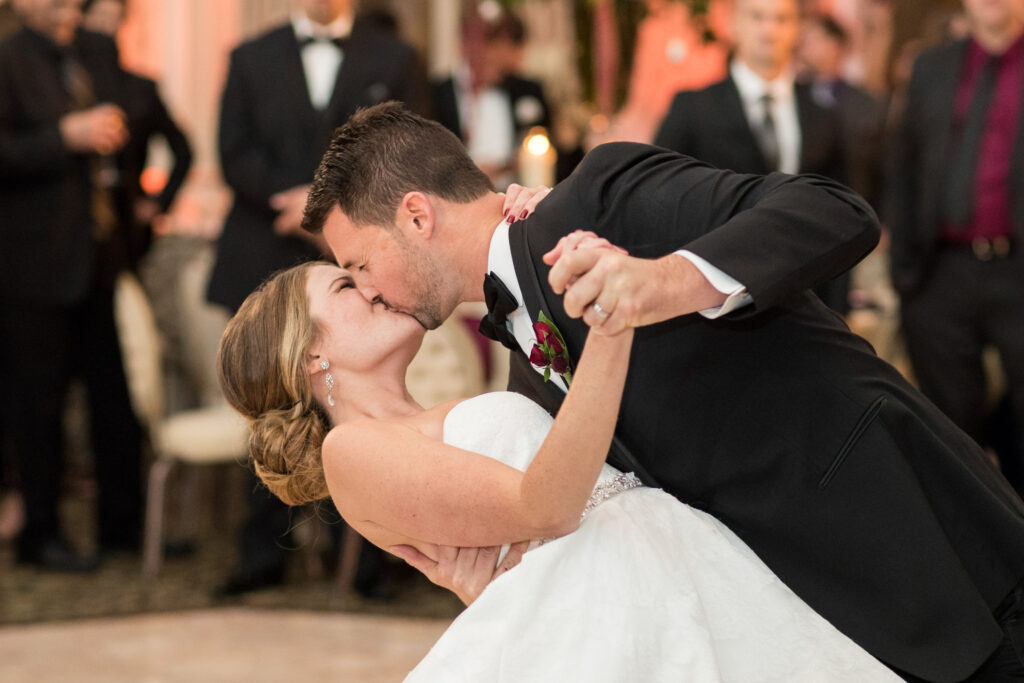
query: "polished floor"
112, 626
218, 646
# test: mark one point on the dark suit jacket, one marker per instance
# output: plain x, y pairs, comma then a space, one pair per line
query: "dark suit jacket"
271, 139
47, 251
921, 156
870, 504
525, 114
148, 117
711, 125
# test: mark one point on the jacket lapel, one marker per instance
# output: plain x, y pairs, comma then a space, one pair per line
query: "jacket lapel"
945, 94
619, 455
735, 115
296, 88
943, 102
809, 119
1017, 176
343, 85
533, 292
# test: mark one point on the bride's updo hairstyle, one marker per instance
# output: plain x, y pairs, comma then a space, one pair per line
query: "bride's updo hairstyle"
263, 373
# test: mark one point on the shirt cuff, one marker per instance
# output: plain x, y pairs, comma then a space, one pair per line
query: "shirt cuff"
736, 294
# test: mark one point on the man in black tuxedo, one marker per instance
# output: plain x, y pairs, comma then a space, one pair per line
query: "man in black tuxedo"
957, 220
759, 119
746, 396
488, 105
60, 127
286, 91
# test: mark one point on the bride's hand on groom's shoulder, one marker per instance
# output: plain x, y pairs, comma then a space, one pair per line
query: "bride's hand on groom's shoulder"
463, 571
521, 201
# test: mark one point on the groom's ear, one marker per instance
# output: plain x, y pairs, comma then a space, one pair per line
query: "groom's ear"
416, 216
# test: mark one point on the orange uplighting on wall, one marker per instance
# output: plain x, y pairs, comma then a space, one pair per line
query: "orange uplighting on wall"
153, 180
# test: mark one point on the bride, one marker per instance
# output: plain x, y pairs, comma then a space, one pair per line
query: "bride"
621, 582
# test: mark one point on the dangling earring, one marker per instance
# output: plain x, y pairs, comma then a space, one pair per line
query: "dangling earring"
329, 381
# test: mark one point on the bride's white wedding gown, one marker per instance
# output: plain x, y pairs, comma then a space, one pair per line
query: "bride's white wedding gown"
647, 589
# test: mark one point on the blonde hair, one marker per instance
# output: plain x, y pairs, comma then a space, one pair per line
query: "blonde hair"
263, 373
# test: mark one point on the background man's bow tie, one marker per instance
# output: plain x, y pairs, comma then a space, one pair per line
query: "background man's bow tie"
500, 302
309, 40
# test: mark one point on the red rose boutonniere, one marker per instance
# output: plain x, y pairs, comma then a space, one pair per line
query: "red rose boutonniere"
549, 352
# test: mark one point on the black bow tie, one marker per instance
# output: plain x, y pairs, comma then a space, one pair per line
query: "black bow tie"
309, 40
500, 302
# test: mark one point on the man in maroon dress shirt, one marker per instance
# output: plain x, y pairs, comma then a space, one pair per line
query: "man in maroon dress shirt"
957, 219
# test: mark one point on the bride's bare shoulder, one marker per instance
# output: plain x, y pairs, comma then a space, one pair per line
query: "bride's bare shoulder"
347, 437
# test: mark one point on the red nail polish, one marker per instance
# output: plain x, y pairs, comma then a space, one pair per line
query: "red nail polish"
511, 220
505, 214
524, 214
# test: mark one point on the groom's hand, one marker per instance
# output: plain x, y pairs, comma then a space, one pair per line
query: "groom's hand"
613, 291
463, 571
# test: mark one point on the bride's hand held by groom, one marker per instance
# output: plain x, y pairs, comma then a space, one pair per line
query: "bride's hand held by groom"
613, 291
463, 571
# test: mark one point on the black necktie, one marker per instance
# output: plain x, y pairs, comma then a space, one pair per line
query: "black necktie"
500, 303
959, 204
768, 138
78, 85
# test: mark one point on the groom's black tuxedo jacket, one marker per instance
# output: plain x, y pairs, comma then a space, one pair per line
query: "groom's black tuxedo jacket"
881, 514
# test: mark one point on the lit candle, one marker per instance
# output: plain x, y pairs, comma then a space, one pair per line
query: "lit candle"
537, 159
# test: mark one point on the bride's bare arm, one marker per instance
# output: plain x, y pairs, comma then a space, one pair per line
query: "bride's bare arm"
397, 477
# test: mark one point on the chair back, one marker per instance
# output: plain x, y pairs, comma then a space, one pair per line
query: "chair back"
141, 350
202, 325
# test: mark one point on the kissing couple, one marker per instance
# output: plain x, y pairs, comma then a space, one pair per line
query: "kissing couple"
733, 488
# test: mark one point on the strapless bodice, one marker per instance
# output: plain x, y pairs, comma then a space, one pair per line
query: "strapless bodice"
505, 426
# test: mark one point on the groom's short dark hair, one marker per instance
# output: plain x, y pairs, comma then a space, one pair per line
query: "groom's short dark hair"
379, 155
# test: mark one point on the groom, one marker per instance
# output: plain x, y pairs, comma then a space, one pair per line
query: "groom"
746, 397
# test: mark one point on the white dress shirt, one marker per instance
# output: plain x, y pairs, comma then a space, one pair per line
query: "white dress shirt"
486, 120
321, 59
499, 262
787, 122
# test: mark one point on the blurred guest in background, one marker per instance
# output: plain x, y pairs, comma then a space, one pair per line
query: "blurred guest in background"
141, 211
59, 132
823, 51
672, 54
758, 119
286, 91
487, 103
957, 218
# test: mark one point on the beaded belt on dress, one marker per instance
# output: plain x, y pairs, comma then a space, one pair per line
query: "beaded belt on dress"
602, 492
607, 489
